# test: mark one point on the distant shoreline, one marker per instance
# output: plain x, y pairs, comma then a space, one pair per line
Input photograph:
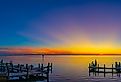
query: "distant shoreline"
61, 54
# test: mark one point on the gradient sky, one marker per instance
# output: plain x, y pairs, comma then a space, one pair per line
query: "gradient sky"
78, 26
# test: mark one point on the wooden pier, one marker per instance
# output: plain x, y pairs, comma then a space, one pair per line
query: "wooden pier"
96, 69
24, 72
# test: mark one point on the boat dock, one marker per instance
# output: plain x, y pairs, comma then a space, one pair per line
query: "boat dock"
96, 69
24, 72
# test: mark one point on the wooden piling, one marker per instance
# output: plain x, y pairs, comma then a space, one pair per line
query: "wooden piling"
20, 68
112, 70
119, 68
27, 70
89, 69
48, 67
39, 65
95, 70
42, 68
26, 66
104, 70
8, 72
48, 72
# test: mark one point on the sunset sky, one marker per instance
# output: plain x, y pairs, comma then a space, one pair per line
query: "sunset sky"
60, 26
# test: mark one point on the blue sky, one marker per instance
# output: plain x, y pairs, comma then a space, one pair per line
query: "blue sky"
54, 23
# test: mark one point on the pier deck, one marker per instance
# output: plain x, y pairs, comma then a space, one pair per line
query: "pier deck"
95, 68
26, 72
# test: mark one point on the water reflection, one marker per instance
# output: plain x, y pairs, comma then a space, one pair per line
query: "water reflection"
70, 68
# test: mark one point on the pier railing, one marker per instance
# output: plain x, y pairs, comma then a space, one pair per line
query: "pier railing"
9, 71
96, 69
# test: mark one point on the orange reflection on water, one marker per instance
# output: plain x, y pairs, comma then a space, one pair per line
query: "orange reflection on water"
76, 63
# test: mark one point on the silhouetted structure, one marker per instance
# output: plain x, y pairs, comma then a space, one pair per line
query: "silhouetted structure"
21, 72
96, 69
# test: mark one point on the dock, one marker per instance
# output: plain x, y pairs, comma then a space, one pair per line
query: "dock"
96, 69
24, 72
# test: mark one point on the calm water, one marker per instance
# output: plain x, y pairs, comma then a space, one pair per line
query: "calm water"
70, 68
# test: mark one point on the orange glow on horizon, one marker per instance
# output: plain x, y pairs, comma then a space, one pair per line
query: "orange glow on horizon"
71, 50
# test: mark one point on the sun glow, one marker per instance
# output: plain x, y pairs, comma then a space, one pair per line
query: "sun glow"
78, 41
77, 38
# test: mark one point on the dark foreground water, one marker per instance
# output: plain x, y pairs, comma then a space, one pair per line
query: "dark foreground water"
70, 68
